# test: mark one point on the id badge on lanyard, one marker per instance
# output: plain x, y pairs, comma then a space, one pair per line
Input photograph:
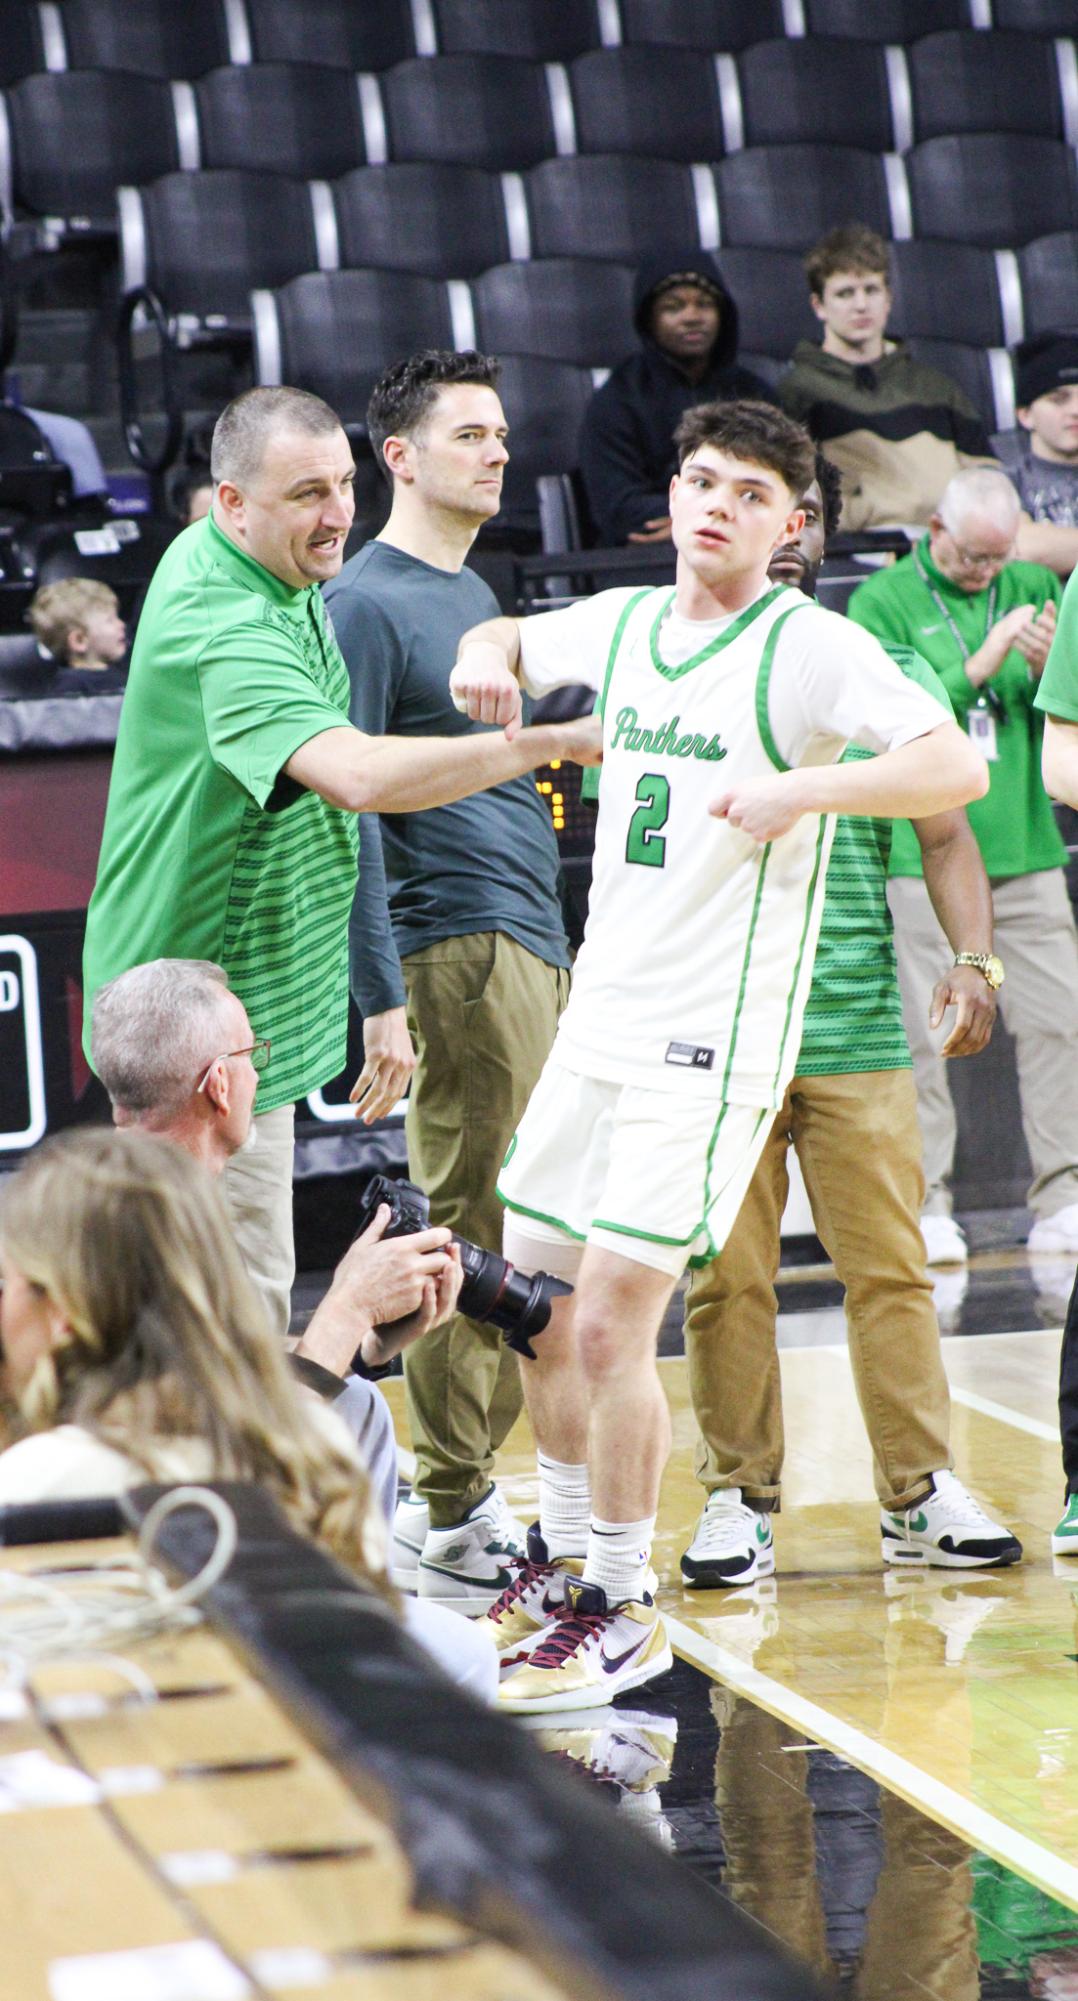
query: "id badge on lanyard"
981, 724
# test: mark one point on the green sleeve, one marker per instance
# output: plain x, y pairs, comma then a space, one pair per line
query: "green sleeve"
260, 703
1058, 692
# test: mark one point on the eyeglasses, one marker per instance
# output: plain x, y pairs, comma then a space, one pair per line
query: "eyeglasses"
976, 559
259, 1053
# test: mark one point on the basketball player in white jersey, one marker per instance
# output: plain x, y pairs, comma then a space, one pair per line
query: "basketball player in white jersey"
726, 704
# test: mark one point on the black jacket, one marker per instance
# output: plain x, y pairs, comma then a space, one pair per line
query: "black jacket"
626, 446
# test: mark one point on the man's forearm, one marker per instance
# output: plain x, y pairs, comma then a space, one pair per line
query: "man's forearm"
928, 775
406, 774
1048, 542
956, 882
502, 633
1059, 760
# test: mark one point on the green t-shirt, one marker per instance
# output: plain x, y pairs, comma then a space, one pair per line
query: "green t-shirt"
208, 852
853, 1020
1058, 692
1014, 823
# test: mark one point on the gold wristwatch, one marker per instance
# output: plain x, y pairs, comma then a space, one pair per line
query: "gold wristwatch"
986, 963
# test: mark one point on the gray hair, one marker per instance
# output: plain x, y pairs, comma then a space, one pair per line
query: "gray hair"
245, 426
154, 1029
979, 490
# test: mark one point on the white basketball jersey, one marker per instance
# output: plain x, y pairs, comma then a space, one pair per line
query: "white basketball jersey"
697, 957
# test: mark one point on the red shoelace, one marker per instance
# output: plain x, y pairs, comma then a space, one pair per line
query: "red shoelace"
566, 1638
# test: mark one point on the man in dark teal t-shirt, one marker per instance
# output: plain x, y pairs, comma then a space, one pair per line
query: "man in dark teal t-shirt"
459, 959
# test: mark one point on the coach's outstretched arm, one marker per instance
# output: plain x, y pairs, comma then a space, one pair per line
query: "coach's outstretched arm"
388, 774
927, 775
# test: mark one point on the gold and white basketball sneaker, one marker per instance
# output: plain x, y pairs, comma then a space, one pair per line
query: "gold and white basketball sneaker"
590, 1655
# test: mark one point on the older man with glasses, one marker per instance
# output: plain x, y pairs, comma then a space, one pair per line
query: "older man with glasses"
986, 624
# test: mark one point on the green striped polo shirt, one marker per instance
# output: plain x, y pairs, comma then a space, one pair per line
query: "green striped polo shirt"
853, 1020
208, 852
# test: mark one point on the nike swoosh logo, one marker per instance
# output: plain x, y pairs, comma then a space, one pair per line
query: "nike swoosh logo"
763, 1534
612, 1662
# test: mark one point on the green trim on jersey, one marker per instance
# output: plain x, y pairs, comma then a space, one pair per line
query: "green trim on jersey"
809, 901
646, 1236
590, 776
736, 1023
763, 690
734, 631
710, 1201
537, 1216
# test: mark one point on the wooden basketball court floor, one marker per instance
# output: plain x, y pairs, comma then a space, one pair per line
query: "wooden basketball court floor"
957, 1691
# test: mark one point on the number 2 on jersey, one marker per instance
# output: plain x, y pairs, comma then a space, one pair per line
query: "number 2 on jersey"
645, 844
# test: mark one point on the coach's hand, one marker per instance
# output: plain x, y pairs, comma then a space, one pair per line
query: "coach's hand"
764, 808
482, 687
388, 1063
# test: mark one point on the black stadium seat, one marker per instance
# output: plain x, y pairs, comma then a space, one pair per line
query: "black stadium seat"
658, 102
1001, 190
334, 332
154, 37
439, 220
544, 402
22, 48
530, 28
338, 32
562, 308
484, 111
77, 134
772, 300
700, 24
204, 241
973, 82
283, 118
971, 368
816, 89
885, 20
1049, 269
1037, 17
784, 197
604, 206
946, 291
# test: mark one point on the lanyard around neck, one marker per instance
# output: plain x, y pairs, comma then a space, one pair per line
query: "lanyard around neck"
987, 697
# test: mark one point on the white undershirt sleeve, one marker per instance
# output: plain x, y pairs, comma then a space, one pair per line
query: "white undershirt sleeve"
833, 684
561, 648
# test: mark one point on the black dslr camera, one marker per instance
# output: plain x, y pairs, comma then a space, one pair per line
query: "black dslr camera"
493, 1290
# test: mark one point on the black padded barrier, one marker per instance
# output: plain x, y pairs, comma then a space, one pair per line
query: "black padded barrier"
499, 1836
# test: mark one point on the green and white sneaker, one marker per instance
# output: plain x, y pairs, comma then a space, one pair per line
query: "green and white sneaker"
732, 1545
948, 1528
469, 1565
1065, 1533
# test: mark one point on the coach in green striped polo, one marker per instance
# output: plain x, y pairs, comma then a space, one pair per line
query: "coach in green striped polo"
851, 1115
230, 833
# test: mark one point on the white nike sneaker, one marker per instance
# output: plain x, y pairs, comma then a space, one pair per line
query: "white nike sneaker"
469, 1565
590, 1656
410, 1525
732, 1544
948, 1528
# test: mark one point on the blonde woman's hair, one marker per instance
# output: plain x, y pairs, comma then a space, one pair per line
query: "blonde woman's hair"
129, 1238
58, 607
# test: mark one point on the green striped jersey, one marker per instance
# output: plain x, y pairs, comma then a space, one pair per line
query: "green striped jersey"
207, 852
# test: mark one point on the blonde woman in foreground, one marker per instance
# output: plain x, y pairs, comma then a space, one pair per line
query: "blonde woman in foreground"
134, 1349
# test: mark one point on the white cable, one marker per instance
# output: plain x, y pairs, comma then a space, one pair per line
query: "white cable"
85, 1613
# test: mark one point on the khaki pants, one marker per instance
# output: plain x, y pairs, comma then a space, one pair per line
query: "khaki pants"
1035, 938
858, 1143
482, 1013
258, 1188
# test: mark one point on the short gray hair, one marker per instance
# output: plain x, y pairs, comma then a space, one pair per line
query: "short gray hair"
154, 1029
245, 426
979, 490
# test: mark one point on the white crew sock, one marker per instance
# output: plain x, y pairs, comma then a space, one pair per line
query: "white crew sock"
564, 1507
617, 1557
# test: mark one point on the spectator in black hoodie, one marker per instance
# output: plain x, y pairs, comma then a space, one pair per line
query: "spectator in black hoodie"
687, 323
